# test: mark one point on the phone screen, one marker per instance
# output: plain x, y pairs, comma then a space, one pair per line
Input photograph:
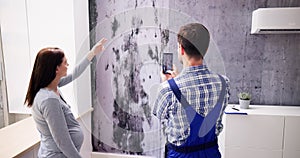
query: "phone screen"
167, 62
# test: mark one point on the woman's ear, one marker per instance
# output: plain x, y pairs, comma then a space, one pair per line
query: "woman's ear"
57, 69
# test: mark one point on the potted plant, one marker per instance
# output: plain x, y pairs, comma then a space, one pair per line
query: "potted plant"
244, 100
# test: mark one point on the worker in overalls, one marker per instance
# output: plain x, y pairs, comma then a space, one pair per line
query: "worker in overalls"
190, 105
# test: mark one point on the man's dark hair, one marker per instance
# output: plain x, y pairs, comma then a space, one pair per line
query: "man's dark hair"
194, 38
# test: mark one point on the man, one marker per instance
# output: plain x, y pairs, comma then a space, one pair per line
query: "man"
190, 105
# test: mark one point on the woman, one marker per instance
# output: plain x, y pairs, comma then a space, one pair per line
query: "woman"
61, 135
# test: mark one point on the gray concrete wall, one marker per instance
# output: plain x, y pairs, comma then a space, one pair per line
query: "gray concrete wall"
140, 30
266, 65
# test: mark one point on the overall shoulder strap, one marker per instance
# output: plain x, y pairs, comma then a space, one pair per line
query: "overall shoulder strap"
190, 112
175, 89
211, 118
177, 93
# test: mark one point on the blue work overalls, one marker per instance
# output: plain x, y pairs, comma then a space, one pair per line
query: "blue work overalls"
202, 141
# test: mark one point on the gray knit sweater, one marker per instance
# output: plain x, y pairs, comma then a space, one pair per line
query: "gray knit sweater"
61, 135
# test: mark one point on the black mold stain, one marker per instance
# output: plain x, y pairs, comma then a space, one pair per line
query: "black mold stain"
136, 125
106, 67
128, 131
145, 105
257, 87
93, 14
136, 3
137, 31
151, 54
129, 140
164, 36
136, 23
129, 45
132, 87
155, 17
117, 53
113, 68
156, 51
115, 25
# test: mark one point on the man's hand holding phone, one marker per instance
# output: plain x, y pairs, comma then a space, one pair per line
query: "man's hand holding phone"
170, 74
168, 69
167, 63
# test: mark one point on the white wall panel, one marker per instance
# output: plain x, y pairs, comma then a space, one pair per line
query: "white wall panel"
82, 86
15, 42
51, 24
30, 25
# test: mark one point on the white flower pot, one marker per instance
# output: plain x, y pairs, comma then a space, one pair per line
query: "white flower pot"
244, 104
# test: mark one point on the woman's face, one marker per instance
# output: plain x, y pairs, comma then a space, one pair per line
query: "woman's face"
62, 68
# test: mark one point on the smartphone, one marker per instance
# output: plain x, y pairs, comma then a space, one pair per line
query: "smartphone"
167, 63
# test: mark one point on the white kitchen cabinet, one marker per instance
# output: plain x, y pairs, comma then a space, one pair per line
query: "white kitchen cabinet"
265, 132
251, 153
291, 146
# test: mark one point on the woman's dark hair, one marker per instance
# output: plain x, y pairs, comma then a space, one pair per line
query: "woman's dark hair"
44, 71
194, 38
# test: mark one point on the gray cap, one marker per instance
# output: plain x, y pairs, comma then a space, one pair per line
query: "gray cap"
196, 34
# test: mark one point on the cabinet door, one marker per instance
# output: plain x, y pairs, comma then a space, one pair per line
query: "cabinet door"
291, 147
258, 136
252, 153
254, 131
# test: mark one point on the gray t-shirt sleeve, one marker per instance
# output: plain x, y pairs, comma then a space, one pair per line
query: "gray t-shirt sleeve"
55, 118
79, 69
